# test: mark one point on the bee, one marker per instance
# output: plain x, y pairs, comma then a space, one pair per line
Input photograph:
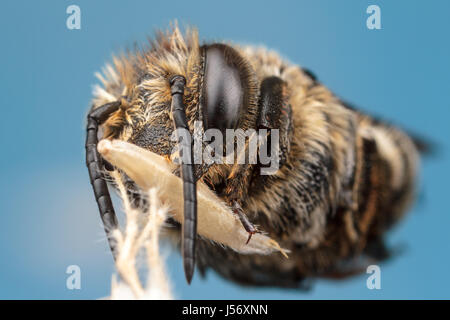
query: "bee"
344, 177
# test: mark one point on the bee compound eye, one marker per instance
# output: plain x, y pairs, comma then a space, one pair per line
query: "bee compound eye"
223, 87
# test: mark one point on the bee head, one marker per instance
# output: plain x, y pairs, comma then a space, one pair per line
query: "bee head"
220, 93
171, 86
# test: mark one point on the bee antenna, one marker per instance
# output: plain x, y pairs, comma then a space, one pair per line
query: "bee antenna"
95, 165
189, 233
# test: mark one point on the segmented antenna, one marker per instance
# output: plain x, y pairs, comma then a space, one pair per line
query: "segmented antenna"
189, 232
95, 165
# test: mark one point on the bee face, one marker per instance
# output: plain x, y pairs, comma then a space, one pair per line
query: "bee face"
332, 197
221, 95
217, 91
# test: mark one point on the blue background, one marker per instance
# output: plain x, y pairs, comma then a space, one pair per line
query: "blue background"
48, 217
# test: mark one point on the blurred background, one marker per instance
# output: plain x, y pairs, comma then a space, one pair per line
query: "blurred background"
48, 216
